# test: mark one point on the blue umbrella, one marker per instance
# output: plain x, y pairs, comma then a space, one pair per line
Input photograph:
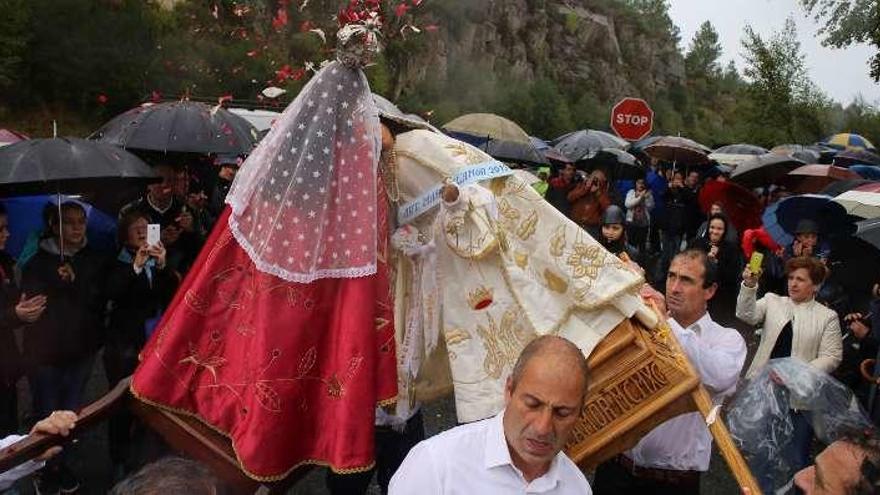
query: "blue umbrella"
26, 224
780, 219
867, 171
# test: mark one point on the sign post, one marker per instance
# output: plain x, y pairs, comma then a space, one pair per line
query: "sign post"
632, 119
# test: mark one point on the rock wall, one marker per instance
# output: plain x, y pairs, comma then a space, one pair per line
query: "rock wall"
572, 42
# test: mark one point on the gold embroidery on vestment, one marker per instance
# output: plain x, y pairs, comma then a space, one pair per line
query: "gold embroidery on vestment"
503, 342
555, 282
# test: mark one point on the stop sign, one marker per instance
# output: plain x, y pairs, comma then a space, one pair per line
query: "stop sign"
632, 118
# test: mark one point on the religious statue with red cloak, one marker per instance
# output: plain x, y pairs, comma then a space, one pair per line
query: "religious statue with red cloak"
282, 336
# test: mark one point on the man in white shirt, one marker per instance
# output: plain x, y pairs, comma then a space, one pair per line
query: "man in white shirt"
58, 423
670, 458
519, 450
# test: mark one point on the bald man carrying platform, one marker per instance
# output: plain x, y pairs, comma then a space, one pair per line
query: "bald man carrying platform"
520, 449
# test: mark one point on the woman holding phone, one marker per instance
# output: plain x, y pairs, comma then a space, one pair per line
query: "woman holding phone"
139, 287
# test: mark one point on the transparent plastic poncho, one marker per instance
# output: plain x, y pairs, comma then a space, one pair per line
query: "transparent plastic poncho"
760, 420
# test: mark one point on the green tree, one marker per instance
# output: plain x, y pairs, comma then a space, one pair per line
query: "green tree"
848, 22
80, 50
14, 37
784, 105
705, 50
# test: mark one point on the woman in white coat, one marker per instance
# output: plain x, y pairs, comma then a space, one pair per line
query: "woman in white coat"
794, 326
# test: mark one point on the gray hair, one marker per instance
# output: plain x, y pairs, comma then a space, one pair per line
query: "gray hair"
561, 348
170, 476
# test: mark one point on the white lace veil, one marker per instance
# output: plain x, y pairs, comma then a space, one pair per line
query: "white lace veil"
304, 202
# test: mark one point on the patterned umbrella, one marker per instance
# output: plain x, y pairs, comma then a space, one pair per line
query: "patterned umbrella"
846, 140
814, 178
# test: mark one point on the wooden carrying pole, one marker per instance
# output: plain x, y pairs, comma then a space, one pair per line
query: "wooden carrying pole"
719, 431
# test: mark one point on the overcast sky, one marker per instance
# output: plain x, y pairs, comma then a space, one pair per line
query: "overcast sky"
840, 73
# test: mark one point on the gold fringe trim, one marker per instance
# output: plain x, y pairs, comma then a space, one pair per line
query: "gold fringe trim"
254, 476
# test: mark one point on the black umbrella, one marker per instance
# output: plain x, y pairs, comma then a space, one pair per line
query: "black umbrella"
577, 144
104, 173
852, 157
854, 262
182, 126
678, 150
620, 164
803, 153
763, 170
869, 231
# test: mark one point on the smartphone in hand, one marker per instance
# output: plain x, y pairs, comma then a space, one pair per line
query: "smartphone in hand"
755, 262
153, 234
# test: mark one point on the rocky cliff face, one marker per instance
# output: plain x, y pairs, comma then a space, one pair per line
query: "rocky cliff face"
574, 42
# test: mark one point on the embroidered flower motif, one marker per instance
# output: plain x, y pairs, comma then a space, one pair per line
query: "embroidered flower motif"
585, 260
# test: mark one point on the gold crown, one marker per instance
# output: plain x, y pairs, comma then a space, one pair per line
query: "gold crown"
480, 298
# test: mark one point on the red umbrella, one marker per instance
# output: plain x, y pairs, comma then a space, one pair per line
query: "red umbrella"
741, 205
8, 137
810, 179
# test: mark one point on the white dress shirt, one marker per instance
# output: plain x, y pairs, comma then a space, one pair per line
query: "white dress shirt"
8, 478
684, 443
474, 459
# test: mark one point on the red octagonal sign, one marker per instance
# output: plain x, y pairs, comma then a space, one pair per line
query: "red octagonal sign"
632, 118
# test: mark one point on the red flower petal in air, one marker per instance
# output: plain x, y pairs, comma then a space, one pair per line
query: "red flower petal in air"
284, 73
102, 98
401, 9
280, 19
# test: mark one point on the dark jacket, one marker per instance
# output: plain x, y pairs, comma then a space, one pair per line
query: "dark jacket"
680, 202
621, 246
10, 357
729, 262
557, 194
71, 326
134, 299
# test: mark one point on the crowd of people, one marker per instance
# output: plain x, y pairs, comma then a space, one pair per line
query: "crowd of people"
73, 300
